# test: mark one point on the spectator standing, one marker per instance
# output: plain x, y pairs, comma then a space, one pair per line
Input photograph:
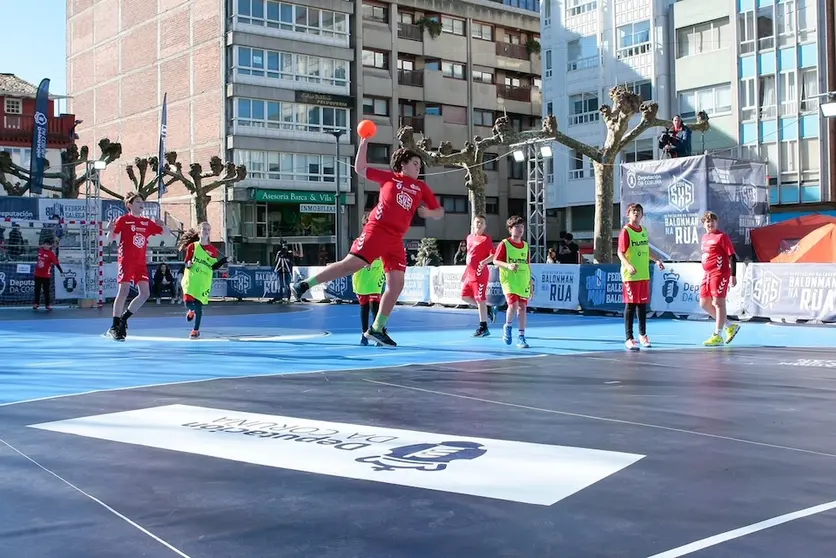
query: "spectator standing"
43, 274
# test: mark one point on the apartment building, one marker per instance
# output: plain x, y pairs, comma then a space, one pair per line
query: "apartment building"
265, 83
588, 47
768, 65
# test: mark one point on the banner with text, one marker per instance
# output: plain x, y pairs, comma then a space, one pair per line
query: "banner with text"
17, 283
796, 291
446, 285
600, 288
556, 286
677, 290
416, 286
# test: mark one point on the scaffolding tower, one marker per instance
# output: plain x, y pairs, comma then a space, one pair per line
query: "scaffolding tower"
92, 236
535, 152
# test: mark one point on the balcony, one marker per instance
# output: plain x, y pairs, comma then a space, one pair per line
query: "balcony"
18, 128
410, 32
413, 78
417, 123
512, 93
508, 50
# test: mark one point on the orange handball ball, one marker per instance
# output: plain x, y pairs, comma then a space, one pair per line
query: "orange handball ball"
366, 129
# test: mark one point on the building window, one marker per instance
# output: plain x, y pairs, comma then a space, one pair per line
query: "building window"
583, 109
789, 161
547, 13
492, 206
536, 83
787, 94
766, 28
291, 167
785, 23
406, 17
378, 154
483, 118
713, 100
809, 158
578, 7
746, 32
289, 17
481, 31
454, 204
291, 67
576, 167
516, 206
376, 106
768, 98
633, 39
455, 115
432, 110
14, 106
549, 108
639, 150
548, 63
516, 170
642, 88
482, 76
490, 162
375, 12
452, 70
452, 25
705, 37
289, 116
748, 100
406, 64
808, 79
582, 54
376, 59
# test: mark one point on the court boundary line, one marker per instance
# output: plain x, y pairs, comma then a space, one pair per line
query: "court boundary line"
743, 531
603, 419
276, 374
121, 516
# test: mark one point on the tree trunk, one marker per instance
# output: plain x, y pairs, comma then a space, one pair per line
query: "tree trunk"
201, 203
477, 202
604, 174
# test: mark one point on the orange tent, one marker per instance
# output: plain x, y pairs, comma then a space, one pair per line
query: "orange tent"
817, 247
771, 241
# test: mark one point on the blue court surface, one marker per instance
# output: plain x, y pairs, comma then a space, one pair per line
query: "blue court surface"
277, 434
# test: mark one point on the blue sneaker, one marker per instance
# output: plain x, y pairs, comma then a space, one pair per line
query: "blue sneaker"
521, 342
364, 341
506, 334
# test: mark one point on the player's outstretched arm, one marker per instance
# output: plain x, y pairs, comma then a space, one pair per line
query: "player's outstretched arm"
111, 233
360, 163
434, 214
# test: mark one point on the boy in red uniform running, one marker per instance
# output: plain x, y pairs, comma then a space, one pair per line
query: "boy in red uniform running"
475, 277
132, 232
43, 274
720, 264
401, 196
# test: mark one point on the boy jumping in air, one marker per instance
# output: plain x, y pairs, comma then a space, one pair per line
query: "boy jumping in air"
475, 278
132, 232
43, 274
513, 259
634, 253
401, 196
720, 264
368, 284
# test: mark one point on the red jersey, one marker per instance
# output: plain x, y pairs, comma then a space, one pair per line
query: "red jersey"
134, 234
211, 250
479, 247
624, 238
502, 256
46, 259
717, 249
400, 197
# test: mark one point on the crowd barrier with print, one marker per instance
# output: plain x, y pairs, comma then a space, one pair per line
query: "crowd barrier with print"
783, 292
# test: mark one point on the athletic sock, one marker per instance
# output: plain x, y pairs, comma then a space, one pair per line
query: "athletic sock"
379, 322
483, 325
521, 332
364, 317
310, 283
116, 321
127, 315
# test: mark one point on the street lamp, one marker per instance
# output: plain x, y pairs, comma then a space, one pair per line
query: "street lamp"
337, 135
828, 109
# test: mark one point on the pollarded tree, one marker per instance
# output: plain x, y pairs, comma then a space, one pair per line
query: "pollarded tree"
71, 159
142, 187
626, 105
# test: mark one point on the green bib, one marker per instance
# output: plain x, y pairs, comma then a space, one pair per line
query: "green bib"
516, 282
197, 280
638, 254
369, 280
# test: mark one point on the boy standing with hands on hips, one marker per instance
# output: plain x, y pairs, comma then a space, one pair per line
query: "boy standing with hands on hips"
475, 277
514, 261
634, 253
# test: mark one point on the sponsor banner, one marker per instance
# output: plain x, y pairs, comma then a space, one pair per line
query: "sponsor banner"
17, 207
556, 286
338, 289
522, 472
676, 289
798, 291
600, 288
16, 287
446, 285
416, 286
53, 209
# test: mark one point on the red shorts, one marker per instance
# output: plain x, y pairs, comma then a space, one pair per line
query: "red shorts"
377, 243
715, 285
368, 299
636, 292
512, 298
125, 273
476, 289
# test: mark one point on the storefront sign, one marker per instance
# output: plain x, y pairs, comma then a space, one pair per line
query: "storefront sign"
324, 99
316, 208
295, 196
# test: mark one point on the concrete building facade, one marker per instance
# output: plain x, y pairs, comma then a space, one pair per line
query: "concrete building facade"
262, 83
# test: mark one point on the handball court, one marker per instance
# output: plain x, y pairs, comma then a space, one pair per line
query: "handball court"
277, 435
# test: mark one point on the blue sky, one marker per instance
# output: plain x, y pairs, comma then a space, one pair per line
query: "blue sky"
44, 20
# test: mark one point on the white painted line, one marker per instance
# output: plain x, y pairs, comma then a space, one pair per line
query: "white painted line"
743, 531
603, 419
96, 500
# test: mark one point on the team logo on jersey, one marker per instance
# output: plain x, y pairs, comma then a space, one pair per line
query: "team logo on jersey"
425, 457
139, 241
404, 200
